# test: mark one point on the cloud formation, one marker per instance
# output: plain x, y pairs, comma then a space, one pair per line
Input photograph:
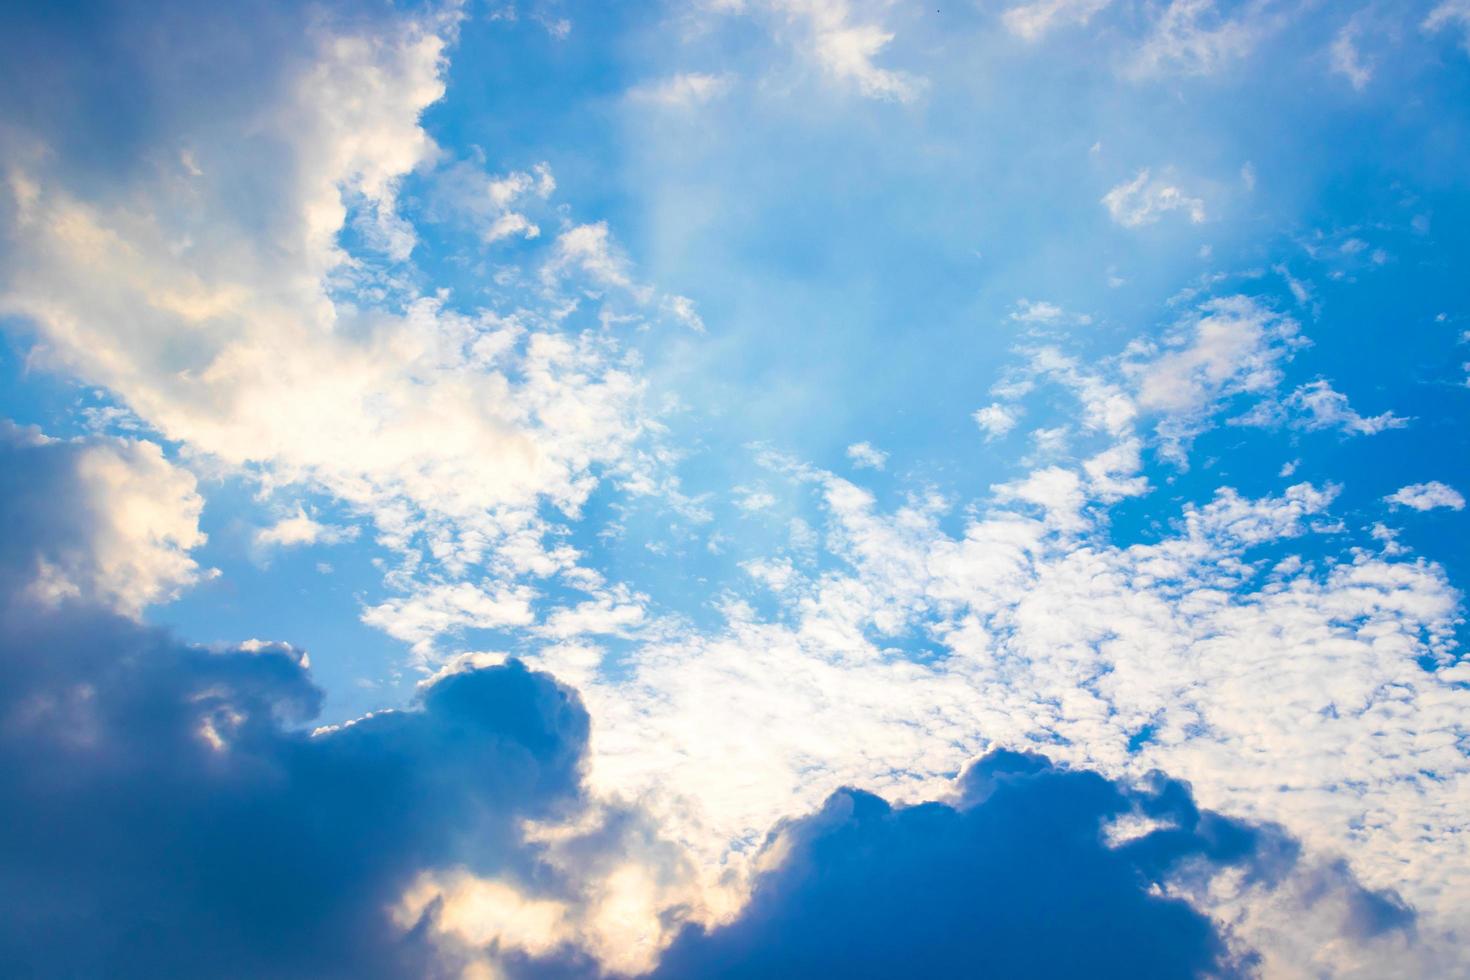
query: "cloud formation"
1146, 198
171, 813
267, 237
1017, 877
168, 815
108, 519
1427, 496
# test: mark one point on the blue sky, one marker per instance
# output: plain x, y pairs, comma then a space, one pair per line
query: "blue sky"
828, 394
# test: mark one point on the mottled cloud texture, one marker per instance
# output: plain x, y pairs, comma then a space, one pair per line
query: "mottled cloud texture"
770, 488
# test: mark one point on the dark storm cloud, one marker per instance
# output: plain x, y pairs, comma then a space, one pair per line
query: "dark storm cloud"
163, 820
1014, 880
167, 812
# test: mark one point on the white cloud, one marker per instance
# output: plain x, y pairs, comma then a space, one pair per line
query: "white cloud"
432, 611
559, 28
110, 521
845, 47
484, 911
751, 499
1321, 407
1058, 493
684, 90
846, 50
1192, 37
493, 205
1051, 635
1347, 62
611, 612
1427, 496
682, 308
996, 419
1230, 349
1043, 312
1035, 19
1027, 311
1450, 13
1295, 691
231, 317
300, 528
1231, 346
1145, 199
778, 575
589, 249
1299, 290
865, 456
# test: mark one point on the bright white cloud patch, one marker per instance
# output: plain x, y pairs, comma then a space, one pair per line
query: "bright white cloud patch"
1427, 496
1146, 198
1323, 408
441, 609
865, 456
300, 528
838, 39
995, 420
109, 522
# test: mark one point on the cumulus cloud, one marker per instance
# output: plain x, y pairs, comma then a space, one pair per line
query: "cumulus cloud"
170, 812
996, 419
254, 300
197, 826
865, 456
928, 643
1321, 407
1427, 496
1017, 873
288, 338
1228, 348
847, 49
296, 844
300, 529
1317, 406
458, 833
437, 609
416, 404
493, 204
167, 813
1146, 198
108, 521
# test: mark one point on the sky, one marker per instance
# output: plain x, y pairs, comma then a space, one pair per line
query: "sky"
735, 488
